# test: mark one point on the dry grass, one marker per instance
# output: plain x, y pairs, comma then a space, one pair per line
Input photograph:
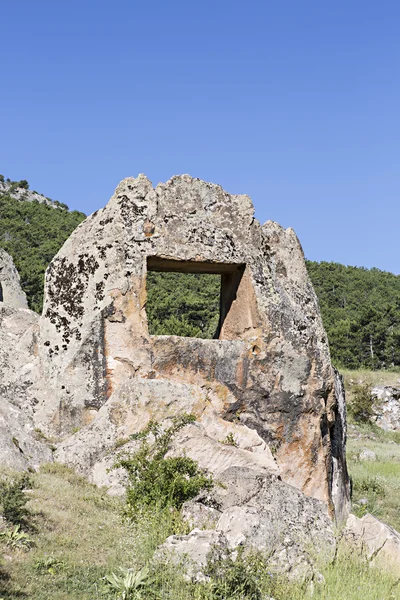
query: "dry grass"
79, 537
371, 377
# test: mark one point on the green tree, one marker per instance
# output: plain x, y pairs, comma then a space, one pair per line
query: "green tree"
32, 233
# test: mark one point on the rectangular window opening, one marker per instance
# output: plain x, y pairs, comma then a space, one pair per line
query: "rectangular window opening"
190, 298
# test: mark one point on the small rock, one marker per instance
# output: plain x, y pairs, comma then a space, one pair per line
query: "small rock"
366, 455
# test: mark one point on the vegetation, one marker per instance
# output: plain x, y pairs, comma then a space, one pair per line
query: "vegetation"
86, 544
362, 405
159, 482
13, 499
376, 483
183, 304
32, 233
81, 540
79, 537
361, 314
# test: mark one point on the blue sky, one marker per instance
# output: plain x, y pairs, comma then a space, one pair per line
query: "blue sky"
295, 103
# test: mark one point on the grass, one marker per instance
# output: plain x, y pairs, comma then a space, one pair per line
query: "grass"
376, 483
78, 534
79, 538
372, 377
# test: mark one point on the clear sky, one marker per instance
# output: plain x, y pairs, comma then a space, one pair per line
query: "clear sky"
294, 102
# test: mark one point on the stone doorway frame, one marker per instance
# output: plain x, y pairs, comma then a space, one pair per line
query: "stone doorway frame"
232, 275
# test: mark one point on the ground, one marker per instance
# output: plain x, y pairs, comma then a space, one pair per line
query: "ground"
77, 536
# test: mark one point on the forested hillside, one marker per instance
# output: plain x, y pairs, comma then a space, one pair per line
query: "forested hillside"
360, 307
32, 232
361, 313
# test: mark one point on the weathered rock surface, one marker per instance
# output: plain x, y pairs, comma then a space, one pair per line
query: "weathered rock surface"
259, 511
269, 371
11, 293
387, 407
20, 446
270, 410
19, 361
375, 540
19, 373
93, 449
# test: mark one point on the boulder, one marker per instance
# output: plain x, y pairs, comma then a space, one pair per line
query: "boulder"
259, 512
377, 542
268, 370
21, 447
367, 455
94, 449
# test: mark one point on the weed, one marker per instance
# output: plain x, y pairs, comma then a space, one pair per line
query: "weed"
15, 538
40, 435
131, 584
230, 440
50, 564
121, 442
369, 485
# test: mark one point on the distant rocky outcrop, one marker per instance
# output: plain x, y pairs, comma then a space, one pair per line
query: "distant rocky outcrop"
269, 408
19, 191
387, 407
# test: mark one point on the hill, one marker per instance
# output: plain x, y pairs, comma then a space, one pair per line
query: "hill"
361, 314
32, 230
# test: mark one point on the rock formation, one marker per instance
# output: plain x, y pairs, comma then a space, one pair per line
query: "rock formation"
268, 372
89, 372
375, 540
11, 293
387, 407
18, 192
19, 448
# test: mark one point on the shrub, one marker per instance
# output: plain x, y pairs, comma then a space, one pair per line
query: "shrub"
13, 499
156, 481
230, 440
369, 485
235, 576
362, 402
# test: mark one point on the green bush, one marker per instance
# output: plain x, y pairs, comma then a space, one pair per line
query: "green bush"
13, 499
369, 485
236, 576
156, 481
361, 403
